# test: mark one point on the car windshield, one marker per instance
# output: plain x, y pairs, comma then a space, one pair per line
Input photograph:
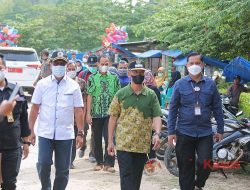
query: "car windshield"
11, 55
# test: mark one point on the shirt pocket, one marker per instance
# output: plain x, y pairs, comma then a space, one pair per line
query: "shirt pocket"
67, 100
187, 97
206, 97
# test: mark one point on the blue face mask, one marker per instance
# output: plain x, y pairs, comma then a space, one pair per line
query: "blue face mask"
93, 69
58, 71
123, 72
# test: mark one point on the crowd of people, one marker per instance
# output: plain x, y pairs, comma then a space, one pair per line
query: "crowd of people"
121, 104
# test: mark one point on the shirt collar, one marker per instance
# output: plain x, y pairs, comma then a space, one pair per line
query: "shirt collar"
54, 78
143, 91
189, 79
8, 85
100, 75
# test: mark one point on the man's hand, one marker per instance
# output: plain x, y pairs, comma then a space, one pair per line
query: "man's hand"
89, 119
111, 149
7, 106
172, 140
218, 137
156, 142
25, 151
79, 141
33, 138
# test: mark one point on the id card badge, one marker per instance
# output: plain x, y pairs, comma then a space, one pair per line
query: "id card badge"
197, 110
10, 117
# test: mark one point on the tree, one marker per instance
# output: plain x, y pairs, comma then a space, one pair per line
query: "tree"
217, 28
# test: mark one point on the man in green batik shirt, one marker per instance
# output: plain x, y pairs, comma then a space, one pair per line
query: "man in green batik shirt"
135, 109
101, 88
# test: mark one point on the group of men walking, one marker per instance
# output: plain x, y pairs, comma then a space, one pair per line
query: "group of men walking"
67, 99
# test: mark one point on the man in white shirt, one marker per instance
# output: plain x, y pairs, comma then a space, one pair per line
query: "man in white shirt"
56, 99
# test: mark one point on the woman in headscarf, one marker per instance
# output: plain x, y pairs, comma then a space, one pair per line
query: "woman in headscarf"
160, 78
176, 75
149, 81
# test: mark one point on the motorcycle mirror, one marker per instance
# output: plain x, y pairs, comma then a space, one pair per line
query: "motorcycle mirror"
239, 113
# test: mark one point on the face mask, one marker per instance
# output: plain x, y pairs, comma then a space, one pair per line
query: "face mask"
58, 71
92, 69
104, 69
71, 74
138, 79
194, 69
123, 72
78, 68
2, 75
160, 74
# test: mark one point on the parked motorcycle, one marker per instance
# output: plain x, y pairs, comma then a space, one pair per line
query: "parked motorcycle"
230, 153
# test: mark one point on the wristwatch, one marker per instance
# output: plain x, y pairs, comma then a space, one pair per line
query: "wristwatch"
159, 134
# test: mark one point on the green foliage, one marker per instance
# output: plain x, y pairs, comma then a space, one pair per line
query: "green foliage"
214, 27
70, 24
217, 28
245, 104
223, 86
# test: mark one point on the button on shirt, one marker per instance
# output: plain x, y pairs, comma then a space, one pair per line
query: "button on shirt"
182, 118
57, 102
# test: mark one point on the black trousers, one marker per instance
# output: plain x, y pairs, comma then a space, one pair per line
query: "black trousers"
186, 149
131, 166
100, 128
11, 160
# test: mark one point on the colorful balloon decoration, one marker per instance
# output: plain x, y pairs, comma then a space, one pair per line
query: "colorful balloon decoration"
8, 36
115, 34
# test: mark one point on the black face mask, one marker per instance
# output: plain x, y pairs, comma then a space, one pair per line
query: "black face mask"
138, 79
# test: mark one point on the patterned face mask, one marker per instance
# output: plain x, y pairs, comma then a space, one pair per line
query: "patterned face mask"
123, 72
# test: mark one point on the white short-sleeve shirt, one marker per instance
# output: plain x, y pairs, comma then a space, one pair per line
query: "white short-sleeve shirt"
57, 102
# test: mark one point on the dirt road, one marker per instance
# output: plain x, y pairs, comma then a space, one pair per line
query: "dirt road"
84, 178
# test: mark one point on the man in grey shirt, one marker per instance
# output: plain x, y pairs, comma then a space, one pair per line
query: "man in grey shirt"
235, 90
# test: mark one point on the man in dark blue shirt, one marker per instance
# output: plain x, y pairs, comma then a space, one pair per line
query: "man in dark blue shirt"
195, 98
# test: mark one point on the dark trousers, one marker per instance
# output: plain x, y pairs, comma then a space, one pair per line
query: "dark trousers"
100, 128
11, 160
131, 166
186, 149
62, 149
91, 146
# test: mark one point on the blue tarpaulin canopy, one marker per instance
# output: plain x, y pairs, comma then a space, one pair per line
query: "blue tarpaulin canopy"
151, 54
126, 52
238, 66
214, 62
182, 61
172, 53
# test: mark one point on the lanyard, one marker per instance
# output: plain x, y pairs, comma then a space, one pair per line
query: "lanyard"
197, 91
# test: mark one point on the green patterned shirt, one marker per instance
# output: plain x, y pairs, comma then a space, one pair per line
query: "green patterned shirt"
135, 117
102, 88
